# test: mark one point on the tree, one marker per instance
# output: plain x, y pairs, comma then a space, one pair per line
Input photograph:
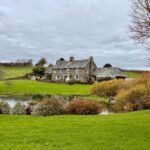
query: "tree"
41, 62
140, 23
39, 71
50, 65
107, 65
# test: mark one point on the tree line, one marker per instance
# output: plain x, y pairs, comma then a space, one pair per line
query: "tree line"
17, 63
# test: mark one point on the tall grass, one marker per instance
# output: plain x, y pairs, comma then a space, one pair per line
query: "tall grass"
107, 88
129, 95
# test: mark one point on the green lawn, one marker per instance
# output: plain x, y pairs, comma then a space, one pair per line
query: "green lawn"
133, 74
21, 87
11, 72
128, 131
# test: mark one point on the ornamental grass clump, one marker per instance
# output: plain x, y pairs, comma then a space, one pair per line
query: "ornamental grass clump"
83, 107
107, 88
4, 108
132, 99
49, 107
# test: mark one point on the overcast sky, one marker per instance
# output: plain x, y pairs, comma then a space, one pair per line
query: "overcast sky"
61, 28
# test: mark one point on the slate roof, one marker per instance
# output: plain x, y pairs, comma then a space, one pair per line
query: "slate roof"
71, 64
111, 72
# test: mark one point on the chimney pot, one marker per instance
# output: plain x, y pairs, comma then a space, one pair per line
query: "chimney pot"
71, 58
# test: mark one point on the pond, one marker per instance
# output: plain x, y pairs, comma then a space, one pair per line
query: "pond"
12, 101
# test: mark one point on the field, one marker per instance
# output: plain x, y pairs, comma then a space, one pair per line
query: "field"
21, 87
133, 74
128, 131
11, 72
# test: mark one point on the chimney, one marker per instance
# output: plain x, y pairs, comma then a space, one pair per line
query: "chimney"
59, 61
71, 58
91, 58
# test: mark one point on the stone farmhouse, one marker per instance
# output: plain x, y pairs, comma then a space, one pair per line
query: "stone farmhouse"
84, 70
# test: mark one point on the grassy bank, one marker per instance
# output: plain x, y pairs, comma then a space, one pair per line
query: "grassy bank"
21, 87
118, 131
12, 72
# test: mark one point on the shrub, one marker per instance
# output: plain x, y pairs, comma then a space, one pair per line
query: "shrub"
146, 101
18, 109
131, 99
39, 71
33, 102
83, 107
107, 88
48, 107
37, 97
4, 108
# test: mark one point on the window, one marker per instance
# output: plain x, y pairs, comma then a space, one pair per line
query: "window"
60, 71
57, 77
77, 77
87, 71
68, 70
65, 77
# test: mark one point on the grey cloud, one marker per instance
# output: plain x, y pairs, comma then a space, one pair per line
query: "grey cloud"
54, 28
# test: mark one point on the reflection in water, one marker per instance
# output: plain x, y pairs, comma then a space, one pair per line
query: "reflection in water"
12, 102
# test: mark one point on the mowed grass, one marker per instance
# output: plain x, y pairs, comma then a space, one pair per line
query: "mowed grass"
21, 87
12, 72
128, 131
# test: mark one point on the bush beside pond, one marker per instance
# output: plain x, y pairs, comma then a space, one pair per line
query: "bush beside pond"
49, 107
135, 98
4, 108
129, 95
83, 107
18, 109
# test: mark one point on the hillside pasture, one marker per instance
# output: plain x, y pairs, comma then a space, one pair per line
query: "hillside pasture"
13, 72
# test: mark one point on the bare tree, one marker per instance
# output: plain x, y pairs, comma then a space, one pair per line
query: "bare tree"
140, 25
